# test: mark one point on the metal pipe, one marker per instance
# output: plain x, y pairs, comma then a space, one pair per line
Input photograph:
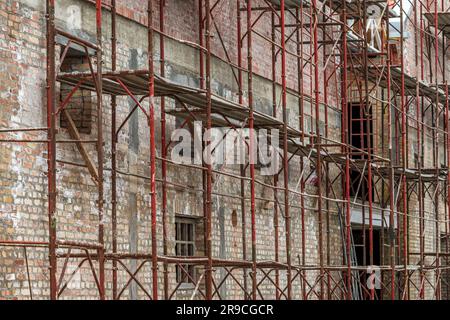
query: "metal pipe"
275, 179
114, 149
318, 147
419, 149
162, 4
242, 167
285, 152
327, 167
151, 123
404, 148
209, 275
436, 149
346, 141
51, 146
252, 142
100, 152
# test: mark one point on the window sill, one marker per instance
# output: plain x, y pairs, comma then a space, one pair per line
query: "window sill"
186, 286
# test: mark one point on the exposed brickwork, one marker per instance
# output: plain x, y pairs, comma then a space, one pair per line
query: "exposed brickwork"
80, 105
23, 187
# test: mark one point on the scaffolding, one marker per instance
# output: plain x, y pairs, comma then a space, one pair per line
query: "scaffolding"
343, 67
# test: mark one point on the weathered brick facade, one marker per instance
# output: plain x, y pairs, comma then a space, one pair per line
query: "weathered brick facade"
23, 184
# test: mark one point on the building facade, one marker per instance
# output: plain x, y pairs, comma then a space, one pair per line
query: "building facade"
94, 205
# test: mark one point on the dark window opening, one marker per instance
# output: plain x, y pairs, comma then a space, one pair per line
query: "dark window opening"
360, 139
185, 247
80, 105
362, 250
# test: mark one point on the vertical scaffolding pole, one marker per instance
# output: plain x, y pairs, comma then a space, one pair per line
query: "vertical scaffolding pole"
421, 164
285, 152
51, 145
242, 166
436, 151
391, 159
327, 167
318, 141
209, 276
251, 143
162, 3
100, 152
151, 123
447, 152
447, 131
114, 148
302, 139
419, 150
201, 40
404, 155
275, 178
346, 142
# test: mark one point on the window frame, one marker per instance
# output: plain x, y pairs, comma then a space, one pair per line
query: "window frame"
188, 241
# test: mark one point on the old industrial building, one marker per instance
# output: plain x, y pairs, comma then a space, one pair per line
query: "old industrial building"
354, 93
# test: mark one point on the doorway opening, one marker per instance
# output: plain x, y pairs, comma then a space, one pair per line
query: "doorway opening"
362, 254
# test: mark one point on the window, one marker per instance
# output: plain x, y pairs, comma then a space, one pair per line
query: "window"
361, 250
361, 139
185, 247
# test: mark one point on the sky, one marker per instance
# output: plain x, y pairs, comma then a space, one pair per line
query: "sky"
406, 6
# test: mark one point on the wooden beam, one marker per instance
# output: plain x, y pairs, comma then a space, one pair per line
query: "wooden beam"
75, 134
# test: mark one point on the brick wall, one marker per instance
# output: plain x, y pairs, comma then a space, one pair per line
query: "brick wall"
23, 196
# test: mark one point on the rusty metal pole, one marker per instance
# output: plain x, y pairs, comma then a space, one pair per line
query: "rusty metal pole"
242, 166
51, 137
201, 41
391, 162
327, 164
318, 140
419, 149
114, 148
151, 122
276, 177
209, 275
346, 141
302, 162
422, 152
436, 151
201, 55
447, 131
100, 152
404, 152
446, 148
252, 143
285, 153
162, 4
